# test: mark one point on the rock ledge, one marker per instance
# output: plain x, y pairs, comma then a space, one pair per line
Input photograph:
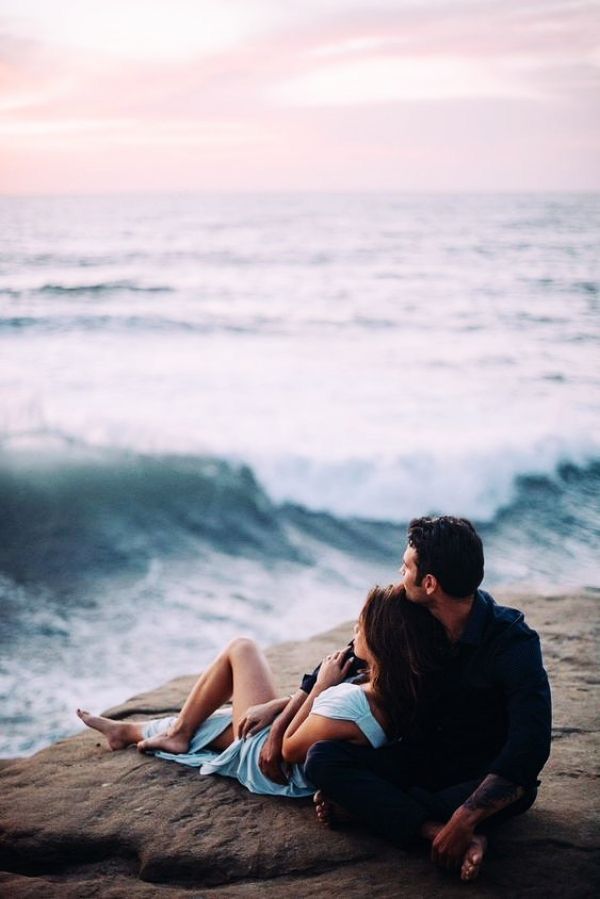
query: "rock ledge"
78, 821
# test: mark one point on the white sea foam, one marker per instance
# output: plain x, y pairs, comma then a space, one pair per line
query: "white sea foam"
475, 483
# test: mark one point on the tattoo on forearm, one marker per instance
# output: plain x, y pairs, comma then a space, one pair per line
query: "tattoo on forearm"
494, 793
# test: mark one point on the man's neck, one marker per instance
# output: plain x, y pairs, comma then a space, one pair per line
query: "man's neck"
452, 613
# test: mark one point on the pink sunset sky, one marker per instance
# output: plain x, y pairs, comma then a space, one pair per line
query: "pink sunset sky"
110, 95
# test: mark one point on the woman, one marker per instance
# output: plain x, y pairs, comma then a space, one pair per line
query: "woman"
397, 640
401, 644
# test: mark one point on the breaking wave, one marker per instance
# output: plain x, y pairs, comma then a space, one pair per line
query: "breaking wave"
73, 513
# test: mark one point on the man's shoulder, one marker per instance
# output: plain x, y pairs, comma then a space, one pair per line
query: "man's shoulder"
510, 647
504, 623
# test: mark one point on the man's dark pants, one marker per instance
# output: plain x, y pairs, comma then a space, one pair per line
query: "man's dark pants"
390, 789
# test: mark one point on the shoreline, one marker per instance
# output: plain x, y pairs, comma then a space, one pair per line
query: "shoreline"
77, 819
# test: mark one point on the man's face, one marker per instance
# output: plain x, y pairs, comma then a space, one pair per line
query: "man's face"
410, 575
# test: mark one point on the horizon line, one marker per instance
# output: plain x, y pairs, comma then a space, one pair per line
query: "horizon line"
462, 191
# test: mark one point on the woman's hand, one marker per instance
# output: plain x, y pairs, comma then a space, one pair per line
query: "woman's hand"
257, 717
334, 669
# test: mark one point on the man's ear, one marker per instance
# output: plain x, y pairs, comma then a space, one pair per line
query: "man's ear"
430, 584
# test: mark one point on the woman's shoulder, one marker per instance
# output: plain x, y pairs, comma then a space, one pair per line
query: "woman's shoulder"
344, 689
351, 703
348, 698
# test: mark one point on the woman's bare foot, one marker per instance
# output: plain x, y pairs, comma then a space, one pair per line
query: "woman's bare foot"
119, 734
170, 741
473, 857
329, 813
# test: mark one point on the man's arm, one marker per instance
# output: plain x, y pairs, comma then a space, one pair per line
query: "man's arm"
271, 758
524, 683
491, 796
259, 716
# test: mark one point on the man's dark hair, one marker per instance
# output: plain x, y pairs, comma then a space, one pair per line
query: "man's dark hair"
451, 550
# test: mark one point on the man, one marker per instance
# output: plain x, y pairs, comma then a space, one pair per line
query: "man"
484, 732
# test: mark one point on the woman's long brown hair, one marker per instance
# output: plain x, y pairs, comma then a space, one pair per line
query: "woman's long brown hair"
407, 643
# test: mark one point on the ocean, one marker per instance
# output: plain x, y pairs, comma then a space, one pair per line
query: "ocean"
219, 411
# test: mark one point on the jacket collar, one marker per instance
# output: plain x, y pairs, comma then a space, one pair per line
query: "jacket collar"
475, 626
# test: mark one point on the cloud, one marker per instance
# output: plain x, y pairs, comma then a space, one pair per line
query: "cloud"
273, 85
387, 78
139, 29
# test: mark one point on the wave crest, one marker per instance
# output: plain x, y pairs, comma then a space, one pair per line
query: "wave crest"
73, 513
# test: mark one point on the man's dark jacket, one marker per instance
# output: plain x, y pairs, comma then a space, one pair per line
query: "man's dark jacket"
488, 709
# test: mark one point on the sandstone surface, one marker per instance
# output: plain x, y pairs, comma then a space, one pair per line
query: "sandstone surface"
78, 821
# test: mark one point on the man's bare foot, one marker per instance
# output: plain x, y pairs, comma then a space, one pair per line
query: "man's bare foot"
169, 741
329, 813
473, 857
119, 734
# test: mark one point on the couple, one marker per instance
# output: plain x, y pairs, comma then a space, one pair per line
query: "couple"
434, 722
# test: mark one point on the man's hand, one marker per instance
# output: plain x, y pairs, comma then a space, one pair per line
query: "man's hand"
257, 717
493, 794
450, 845
271, 761
334, 669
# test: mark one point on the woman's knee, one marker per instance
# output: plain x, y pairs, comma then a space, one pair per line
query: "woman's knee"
242, 645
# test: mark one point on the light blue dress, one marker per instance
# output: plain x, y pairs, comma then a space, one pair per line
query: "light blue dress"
240, 760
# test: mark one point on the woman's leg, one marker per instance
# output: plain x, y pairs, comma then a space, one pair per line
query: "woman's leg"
240, 673
119, 734
253, 681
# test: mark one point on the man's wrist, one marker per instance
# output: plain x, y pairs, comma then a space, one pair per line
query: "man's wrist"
466, 817
278, 727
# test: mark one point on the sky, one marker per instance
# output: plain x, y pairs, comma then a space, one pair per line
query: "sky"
325, 95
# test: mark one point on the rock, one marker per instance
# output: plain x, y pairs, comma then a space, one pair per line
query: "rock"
79, 821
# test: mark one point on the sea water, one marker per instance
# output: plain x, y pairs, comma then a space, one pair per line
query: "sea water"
218, 413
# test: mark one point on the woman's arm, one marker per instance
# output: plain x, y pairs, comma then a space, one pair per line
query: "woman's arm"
315, 728
306, 729
332, 671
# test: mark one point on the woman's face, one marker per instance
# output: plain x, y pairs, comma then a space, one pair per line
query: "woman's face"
361, 648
